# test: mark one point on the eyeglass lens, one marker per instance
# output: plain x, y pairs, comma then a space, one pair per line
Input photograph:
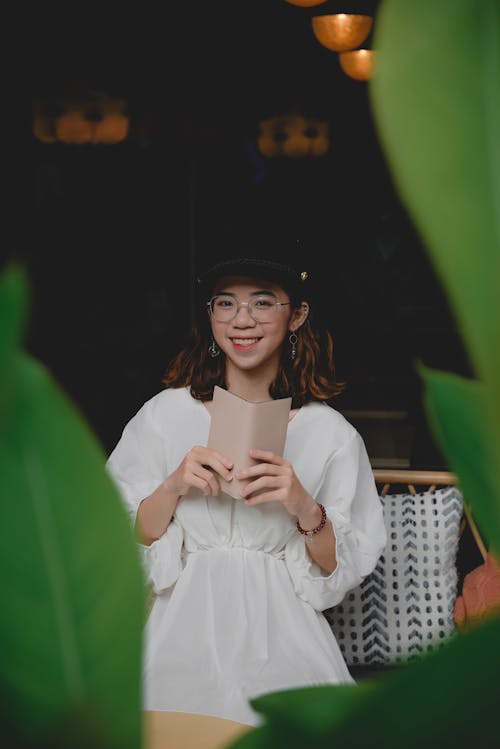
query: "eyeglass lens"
261, 309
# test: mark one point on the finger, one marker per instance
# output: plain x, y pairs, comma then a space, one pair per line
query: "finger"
227, 462
261, 469
207, 455
266, 456
261, 484
205, 475
209, 478
274, 496
200, 483
216, 465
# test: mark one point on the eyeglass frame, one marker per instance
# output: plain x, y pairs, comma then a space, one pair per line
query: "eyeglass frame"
244, 304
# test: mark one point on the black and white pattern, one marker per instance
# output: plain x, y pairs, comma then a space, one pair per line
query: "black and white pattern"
404, 609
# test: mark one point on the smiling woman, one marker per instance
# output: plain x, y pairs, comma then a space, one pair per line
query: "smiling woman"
256, 326
227, 572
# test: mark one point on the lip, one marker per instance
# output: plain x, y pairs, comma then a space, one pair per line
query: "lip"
245, 346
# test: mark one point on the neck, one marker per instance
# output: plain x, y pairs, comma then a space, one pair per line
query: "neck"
254, 385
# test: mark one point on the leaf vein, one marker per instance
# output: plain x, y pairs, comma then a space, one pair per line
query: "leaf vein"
56, 577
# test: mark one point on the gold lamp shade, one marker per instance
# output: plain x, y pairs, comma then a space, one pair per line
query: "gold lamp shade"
340, 32
293, 135
73, 127
113, 128
43, 128
305, 3
358, 63
93, 117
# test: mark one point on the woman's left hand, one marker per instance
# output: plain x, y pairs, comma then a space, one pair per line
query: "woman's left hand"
273, 480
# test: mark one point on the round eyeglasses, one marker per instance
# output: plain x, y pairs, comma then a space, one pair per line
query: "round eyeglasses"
224, 307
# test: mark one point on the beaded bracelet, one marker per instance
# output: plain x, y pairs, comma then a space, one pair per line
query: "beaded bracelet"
313, 531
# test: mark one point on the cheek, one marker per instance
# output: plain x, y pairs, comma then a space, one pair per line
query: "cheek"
216, 329
280, 335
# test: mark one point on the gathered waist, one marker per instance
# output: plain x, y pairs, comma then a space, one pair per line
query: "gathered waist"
277, 554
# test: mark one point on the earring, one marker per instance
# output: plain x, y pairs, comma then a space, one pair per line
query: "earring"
213, 349
293, 340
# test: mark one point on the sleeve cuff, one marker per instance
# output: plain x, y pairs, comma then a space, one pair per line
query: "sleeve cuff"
162, 560
311, 584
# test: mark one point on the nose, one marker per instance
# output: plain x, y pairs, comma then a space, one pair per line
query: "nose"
243, 317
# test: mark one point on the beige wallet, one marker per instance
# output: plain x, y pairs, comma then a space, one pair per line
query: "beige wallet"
238, 425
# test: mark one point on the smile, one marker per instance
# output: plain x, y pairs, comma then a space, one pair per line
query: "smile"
244, 342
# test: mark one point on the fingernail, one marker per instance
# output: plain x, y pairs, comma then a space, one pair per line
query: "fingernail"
229, 477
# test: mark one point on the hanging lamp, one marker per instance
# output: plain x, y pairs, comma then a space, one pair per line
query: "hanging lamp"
88, 117
358, 63
340, 32
305, 3
293, 135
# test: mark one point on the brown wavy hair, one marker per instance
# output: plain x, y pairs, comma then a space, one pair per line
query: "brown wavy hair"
310, 376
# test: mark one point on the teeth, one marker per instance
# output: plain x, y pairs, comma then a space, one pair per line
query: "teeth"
244, 341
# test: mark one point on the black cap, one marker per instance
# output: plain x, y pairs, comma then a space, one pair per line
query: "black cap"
290, 279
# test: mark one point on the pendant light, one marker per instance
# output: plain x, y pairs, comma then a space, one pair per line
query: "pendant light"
305, 3
340, 32
358, 63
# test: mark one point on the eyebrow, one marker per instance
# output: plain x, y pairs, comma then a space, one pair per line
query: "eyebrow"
262, 292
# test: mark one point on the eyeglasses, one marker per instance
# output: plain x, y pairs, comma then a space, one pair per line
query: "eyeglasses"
224, 307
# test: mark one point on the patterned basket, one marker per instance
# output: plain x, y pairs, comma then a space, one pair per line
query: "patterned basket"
405, 607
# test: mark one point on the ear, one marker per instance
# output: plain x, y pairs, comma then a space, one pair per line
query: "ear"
299, 316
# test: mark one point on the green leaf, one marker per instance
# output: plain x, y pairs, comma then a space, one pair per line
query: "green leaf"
13, 310
447, 700
331, 706
459, 416
302, 712
436, 100
261, 737
71, 584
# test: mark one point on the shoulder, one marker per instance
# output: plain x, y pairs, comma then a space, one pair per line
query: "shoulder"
328, 424
169, 401
322, 439
323, 415
169, 398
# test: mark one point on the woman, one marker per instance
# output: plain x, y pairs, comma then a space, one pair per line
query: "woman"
240, 584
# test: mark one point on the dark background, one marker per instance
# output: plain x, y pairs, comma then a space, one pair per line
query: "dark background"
111, 236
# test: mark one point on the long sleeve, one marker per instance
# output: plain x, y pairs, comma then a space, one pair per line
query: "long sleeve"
349, 495
138, 466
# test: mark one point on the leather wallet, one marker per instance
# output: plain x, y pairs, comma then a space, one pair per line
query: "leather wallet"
238, 425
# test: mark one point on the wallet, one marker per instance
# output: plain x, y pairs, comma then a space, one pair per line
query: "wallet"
238, 425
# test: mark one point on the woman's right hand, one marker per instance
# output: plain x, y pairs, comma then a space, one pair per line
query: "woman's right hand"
200, 469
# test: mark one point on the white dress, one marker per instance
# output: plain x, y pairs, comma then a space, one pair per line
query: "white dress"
238, 600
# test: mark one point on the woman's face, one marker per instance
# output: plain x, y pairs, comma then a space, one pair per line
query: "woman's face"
250, 343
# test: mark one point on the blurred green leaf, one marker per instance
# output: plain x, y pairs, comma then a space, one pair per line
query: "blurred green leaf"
436, 99
458, 413
79, 729
255, 738
13, 311
330, 707
301, 712
447, 700
71, 584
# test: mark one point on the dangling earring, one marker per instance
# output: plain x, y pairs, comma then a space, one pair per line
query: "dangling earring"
293, 340
213, 349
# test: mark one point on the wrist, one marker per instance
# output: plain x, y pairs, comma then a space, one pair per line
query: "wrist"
310, 516
310, 532
171, 494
